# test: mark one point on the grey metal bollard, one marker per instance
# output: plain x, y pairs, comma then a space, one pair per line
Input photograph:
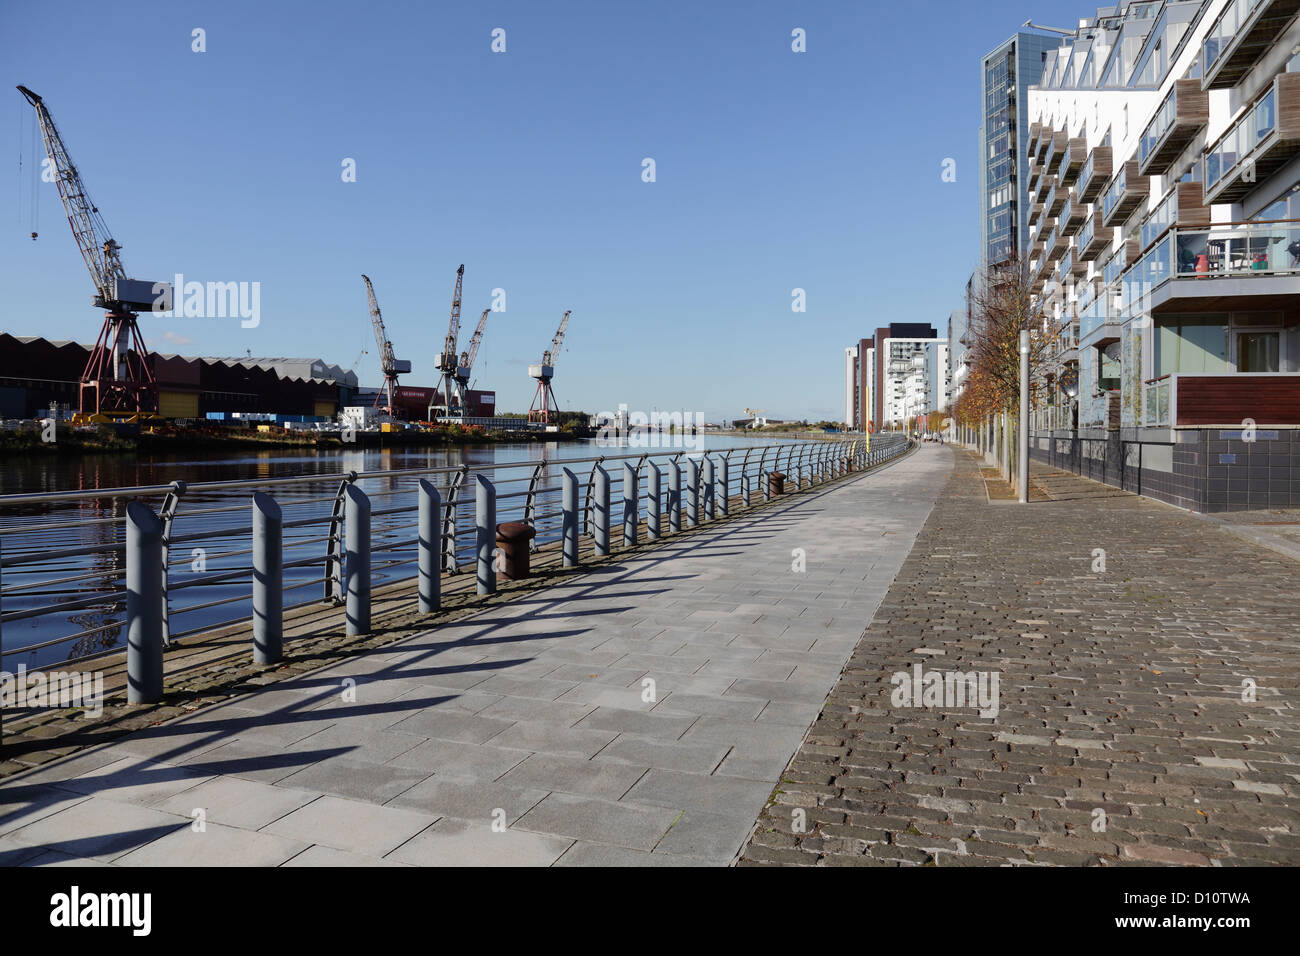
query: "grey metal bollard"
652, 516
710, 488
600, 533
674, 496
692, 492
744, 490
724, 490
485, 521
569, 529
767, 485
631, 505
356, 560
430, 544
144, 643
268, 580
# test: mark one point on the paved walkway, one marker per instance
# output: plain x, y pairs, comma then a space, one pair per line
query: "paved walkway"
1148, 707
525, 734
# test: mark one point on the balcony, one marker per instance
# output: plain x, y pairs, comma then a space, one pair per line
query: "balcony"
1198, 400
1241, 35
1073, 156
1055, 201
1056, 143
1183, 114
1057, 243
1257, 145
1035, 169
1181, 207
1031, 144
1093, 238
1072, 216
1126, 192
1094, 175
1219, 268
1072, 265
1040, 145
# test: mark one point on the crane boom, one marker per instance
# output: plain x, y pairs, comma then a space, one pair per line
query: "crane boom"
98, 248
387, 360
467, 360
550, 357
447, 362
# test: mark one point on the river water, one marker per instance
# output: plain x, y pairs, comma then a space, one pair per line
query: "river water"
88, 612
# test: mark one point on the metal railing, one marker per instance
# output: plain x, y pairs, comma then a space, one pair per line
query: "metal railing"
328, 532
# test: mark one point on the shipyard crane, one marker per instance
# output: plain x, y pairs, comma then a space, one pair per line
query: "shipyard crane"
544, 398
389, 364
448, 357
118, 377
466, 365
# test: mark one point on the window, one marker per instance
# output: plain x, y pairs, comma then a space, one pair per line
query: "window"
1192, 343
1257, 352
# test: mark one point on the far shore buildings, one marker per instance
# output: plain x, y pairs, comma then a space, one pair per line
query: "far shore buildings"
895, 376
1163, 240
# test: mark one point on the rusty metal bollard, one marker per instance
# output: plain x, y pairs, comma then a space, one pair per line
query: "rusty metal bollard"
512, 539
776, 483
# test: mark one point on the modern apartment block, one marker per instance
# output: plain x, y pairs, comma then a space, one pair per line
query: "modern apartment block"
898, 373
1164, 217
1005, 77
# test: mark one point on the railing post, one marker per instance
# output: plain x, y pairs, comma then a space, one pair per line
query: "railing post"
710, 504
600, 532
430, 538
268, 580
356, 560
674, 496
652, 516
744, 490
144, 646
569, 532
168, 515
766, 483
724, 482
692, 492
485, 521
631, 504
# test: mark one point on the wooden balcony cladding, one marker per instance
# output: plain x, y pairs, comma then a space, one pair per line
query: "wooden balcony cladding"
1041, 143
1077, 266
1253, 161
1073, 156
1229, 58
1182, 115
1192, 210
1128, 190
1056, 144
1035, 169
1035, 213
1055, 200
1095, 174
1073, 215
1097, 241
1056, 244
1036, 243
1229, 399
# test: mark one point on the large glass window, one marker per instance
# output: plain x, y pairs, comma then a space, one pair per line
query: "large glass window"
1192, 343
1257, 352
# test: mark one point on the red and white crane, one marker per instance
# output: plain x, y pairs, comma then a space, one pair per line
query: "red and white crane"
118, 378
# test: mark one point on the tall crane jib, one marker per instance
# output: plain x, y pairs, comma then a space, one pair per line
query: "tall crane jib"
447, 359
119, 376
544, 398
389, 365
466, 365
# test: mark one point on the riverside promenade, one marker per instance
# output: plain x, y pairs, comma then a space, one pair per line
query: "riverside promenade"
641, 713
1149, 713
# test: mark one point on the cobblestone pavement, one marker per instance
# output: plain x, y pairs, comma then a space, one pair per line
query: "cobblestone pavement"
523, 734
1126, 732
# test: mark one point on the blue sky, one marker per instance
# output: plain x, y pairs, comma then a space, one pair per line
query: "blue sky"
774, 170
